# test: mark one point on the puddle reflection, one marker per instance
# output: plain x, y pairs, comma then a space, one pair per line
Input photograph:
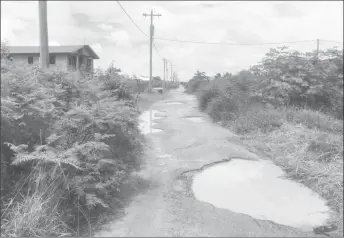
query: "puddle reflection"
257, 189
146, 120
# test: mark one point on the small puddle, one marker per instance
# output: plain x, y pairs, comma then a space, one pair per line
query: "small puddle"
195, 119
146, 121
174, 103
256, 188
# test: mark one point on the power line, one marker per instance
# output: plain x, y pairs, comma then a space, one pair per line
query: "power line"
138, 27
132, 19
332, 41
220, 43
157, 51
216, 43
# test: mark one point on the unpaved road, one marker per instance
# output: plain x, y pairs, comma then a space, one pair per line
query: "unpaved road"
167, 207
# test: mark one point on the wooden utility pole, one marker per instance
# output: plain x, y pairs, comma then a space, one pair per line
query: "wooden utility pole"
317, 53
171, 72
164, 74
43, 35
166, 79
150, 48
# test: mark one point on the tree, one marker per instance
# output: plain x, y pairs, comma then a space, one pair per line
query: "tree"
218, 76
294, 78
4, 50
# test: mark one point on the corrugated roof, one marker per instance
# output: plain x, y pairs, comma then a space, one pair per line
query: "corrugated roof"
52, 49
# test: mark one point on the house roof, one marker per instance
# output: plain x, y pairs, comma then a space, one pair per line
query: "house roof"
52, 49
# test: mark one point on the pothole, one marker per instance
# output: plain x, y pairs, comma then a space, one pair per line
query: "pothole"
147, 119
165, 156
174, 103
195, 119
258, 189
156, 130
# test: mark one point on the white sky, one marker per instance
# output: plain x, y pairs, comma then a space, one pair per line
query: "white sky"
114, 37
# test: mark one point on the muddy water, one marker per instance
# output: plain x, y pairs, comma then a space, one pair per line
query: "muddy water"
258, 189
146, 121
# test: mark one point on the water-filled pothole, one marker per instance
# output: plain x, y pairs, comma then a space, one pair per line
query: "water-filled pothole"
174, 103
257, 188
146, 121
195, 119
156, 130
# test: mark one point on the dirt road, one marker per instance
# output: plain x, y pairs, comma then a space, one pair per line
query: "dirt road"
167, 207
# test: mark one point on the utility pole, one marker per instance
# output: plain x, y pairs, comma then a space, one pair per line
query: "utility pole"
166, 80
317, 53
164, 74
150, 48
171, 72
43, 35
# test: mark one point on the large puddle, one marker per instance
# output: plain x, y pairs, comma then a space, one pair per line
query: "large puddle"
258, 189
146, 121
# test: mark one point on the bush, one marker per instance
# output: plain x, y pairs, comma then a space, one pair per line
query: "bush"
314, 120
296, 79
206, 96
222, 109
68, 145
257, 119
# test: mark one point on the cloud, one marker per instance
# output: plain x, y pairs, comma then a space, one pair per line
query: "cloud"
105, 27
286, 9
120, 38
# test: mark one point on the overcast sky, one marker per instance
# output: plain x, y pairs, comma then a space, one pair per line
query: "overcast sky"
114, 37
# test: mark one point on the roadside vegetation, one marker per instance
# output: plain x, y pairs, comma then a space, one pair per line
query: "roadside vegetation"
68, 143
289, 107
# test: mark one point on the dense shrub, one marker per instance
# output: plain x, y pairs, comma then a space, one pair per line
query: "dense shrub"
257, 119
206, 96
68, 143
296, 79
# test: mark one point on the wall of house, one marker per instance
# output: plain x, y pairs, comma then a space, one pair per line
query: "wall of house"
61, 60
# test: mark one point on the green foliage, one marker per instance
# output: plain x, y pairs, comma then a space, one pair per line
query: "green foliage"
313, 120
257, 119
293, 78
74, 138
206, 96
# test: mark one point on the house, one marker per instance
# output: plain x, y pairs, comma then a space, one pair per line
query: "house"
69, 57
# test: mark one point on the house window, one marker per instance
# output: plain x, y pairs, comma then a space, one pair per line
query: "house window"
52, 59
30, 60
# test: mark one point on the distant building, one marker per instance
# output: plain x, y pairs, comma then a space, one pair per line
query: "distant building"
69, 57
143, 78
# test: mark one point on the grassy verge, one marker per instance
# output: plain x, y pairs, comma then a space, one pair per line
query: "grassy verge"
307, 144
311, 155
